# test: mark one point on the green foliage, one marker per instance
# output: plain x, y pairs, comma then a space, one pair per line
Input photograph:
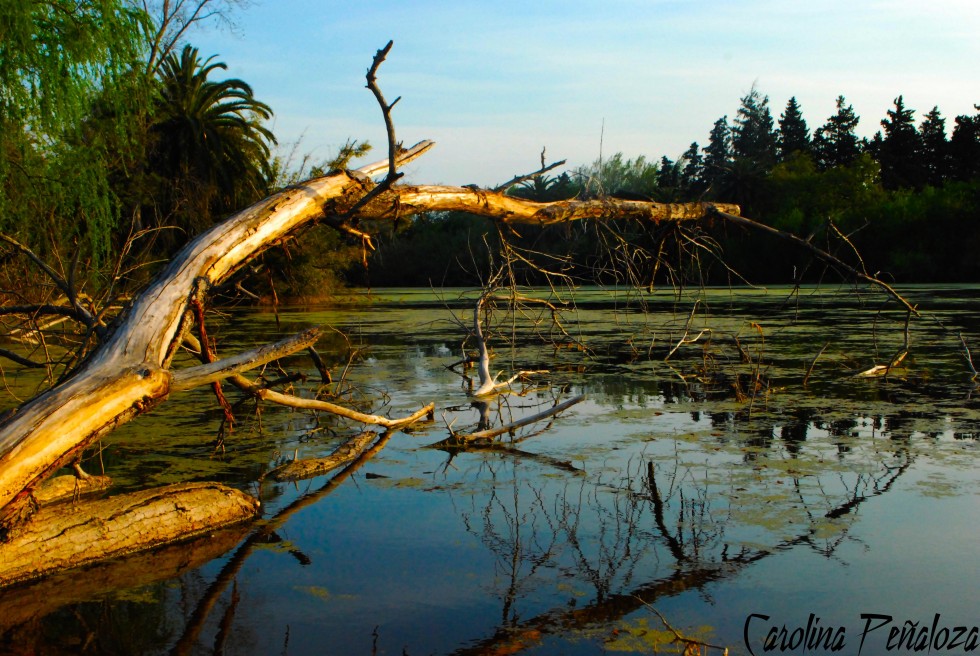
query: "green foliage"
936, 160
56, 55
964, 147
753, 136
208, 149
692, 171
617, 174
544, 188
718, 158
351, 150
437, 249
63, 65
900, 149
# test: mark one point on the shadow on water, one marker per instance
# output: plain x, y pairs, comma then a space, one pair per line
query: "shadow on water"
749, 473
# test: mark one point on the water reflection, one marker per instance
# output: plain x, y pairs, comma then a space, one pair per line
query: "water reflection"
667, 488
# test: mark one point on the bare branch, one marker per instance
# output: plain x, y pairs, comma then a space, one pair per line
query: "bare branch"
820, 253
517, 179
62, 284
21, 360
490, 433
315, 404
205, 374
393, 148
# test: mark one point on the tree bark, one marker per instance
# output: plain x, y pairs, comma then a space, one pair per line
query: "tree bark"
63, 536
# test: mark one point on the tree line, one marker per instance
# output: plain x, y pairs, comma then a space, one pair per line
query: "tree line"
907, 200
119, 141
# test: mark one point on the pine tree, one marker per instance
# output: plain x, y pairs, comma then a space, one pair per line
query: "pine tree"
935, 148
692, 180
753, 136
900, 149
794, 135
835, 143
718, 157
964, 147
668, 179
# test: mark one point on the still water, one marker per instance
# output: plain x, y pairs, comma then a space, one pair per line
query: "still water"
728, 474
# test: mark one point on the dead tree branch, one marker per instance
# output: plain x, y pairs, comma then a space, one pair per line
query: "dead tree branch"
818, 252
518, 179
205, 374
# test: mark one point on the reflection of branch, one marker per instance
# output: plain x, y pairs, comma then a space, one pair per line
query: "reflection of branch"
458, 439
687, 330
611, 607
508, 450
195, 624
673, 544
969, 358
679, 637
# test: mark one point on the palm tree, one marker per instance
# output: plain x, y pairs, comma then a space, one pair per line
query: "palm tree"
209, 150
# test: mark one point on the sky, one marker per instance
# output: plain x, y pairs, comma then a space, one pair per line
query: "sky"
493, 83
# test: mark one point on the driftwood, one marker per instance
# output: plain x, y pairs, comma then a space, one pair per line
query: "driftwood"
65, 536
70, 488
298, 470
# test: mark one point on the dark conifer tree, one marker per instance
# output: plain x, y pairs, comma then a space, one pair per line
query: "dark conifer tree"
835, 143
692, 173
753, 136
935, 148
900, 149
794, 135
718, 157
668, 180
964, 147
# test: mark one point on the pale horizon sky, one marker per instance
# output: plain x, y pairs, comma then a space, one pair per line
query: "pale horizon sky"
494, 83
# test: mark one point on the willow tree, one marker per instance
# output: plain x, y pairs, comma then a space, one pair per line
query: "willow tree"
57, 59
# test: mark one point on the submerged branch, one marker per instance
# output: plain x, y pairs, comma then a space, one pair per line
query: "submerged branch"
310, 467
490, 433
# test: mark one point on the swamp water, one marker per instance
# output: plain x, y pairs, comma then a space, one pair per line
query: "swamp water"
716, 489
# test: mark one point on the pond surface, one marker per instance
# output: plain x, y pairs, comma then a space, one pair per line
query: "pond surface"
749, 490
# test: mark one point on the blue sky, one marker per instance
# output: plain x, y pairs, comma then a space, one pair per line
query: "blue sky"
493, 83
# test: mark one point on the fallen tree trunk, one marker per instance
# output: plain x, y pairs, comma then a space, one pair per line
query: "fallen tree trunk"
64, 536
130, 373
